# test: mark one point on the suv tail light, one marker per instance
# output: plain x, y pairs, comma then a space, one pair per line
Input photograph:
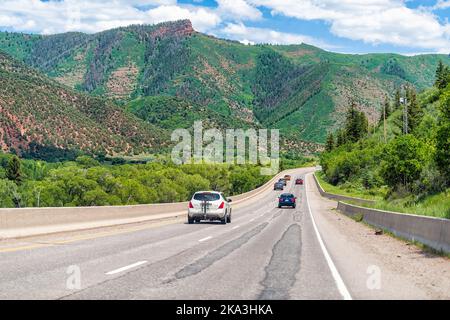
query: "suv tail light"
190, 205
293, 200
280, 200
222, 205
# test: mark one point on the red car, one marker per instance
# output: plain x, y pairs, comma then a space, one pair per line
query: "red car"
299, 181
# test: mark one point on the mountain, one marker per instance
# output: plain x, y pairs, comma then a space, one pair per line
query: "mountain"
299, 89
43, 119
172, 113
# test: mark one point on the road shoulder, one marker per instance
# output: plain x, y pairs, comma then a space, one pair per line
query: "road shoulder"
377, 266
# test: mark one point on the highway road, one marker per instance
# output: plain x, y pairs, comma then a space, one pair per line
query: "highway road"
311, 252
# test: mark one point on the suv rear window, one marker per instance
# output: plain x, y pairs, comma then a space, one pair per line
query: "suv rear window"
206, 196
287, 196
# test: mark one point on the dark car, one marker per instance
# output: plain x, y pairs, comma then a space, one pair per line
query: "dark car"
287, 177
299, 181
287, 200
283, 181
278, 186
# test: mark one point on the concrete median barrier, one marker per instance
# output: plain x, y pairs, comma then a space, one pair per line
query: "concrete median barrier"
16, 223
339, 197
433, 232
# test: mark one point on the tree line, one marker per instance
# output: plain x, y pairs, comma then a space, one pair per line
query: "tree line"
409, 149
86, 182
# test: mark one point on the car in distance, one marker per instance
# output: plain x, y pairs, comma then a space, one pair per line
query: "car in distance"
287, 177
278, 186
287, 200
209, 205
299, 181
283, 181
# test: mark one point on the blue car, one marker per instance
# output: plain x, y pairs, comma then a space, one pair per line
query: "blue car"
278, 186
287, 200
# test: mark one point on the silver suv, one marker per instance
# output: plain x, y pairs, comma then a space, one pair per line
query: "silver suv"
209, 205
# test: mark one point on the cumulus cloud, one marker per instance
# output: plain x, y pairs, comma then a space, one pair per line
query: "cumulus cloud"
238, 10
372, 21
441, 4
98, 15
250, 35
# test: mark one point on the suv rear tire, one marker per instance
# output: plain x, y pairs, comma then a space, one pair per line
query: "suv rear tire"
190, 221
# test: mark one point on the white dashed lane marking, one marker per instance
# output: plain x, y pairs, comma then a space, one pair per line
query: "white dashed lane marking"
134, 265
205, 239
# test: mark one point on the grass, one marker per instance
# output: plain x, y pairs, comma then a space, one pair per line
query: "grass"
437, 205
434, 206
348, 190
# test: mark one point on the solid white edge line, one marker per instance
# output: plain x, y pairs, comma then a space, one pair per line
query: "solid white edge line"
337, 277
205, 239
126, 267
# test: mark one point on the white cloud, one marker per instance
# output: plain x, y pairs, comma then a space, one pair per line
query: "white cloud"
372, 21
238, 10
249, 35
441, 4
202, 19
98, 15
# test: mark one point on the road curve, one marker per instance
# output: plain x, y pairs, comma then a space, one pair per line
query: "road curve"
265, 253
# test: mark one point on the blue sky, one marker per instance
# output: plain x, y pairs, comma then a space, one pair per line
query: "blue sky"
351, 26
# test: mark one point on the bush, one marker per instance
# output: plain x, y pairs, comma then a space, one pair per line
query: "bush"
86, 183
405, 157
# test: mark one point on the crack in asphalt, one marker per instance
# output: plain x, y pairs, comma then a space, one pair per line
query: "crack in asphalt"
206, 261
283, 266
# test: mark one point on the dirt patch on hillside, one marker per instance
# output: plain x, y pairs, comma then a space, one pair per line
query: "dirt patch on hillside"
122, 82
365, 91
72, 78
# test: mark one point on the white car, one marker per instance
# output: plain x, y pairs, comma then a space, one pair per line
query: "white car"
209, 205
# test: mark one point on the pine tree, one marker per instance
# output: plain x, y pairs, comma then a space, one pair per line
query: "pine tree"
14, 170
341, 138
442, 155
330, 143
363, 125
439, 73
357, 125
442, 76
351, 125
415, 112
397, 96
385, 112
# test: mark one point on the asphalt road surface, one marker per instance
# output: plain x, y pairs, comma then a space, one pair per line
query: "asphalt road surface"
310, 252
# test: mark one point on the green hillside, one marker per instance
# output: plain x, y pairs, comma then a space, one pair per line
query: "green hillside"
172, 113
42, 119
299, 89
403, 171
